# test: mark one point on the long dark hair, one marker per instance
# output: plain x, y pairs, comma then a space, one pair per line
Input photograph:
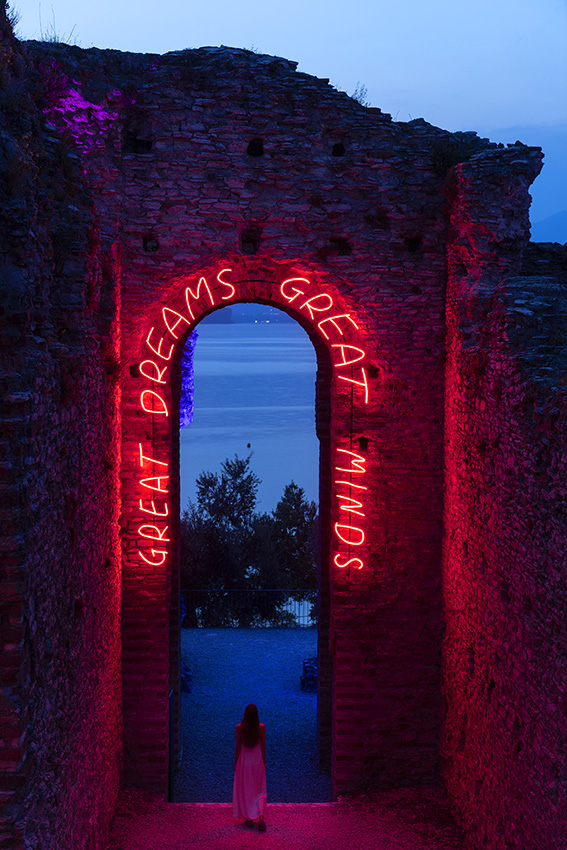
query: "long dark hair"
250, 726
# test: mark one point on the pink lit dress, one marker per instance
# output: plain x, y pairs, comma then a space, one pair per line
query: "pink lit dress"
249, 795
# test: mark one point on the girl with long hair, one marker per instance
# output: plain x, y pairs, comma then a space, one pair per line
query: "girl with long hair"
249, 790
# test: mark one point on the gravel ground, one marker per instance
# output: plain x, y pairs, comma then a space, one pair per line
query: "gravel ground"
230, 668
405, 819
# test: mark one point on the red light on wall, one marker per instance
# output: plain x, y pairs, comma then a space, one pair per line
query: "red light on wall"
346, 534
318, 308
351, 484
152, 460
352, 509
356, 563
157, 487
310, 304
158, 484
297, 292
363, 383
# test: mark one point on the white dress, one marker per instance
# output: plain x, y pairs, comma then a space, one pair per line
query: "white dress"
249, 789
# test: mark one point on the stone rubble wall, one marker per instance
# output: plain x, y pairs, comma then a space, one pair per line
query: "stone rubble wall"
213, 158
60, 725
354, 202
505, 571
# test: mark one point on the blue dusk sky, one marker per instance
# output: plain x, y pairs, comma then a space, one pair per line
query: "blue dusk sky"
495, 66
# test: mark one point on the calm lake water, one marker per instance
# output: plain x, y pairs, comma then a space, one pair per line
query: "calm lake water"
254, 393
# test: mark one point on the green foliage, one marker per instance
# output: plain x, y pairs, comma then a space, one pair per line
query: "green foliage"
229, 500
294, 539
226, 545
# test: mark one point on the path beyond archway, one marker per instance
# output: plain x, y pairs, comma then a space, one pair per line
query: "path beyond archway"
230, 668
406, 819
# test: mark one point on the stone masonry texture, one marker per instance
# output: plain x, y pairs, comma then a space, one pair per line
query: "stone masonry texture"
60, 588
505, 539
127, 181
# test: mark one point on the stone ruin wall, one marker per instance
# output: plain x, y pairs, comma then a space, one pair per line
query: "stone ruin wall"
352, 201
60, 586
371, 223
505, 570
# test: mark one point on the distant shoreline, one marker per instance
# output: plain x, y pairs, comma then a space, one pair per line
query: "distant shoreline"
247, 314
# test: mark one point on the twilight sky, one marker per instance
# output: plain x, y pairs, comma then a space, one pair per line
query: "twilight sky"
495, 66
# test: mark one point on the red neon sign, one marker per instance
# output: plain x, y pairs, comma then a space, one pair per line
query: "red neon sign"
157, 372
363, 383
157, 533
160, 410
162, 552
346, 534
320, 308
158, 349
153, 510
196, 295
344, 361
356, 463
297, 292
311, 309
155, 477
228, 285
166, 311
353, 507
333, 321
322, 302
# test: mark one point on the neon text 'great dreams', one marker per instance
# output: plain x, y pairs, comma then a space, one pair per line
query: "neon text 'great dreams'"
349, 468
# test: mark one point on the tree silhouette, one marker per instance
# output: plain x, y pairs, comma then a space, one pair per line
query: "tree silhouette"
217, 533
226, 545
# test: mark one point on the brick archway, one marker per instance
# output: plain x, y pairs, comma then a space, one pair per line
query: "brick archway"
150, 479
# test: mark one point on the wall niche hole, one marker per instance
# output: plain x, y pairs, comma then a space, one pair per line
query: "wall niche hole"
78, 608
255, 147
250, 241
339, 149
134, 143
413, 244
341, 246
150, 243
378, 218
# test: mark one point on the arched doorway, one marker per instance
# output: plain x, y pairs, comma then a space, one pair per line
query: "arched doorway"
248, 436
151, 487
